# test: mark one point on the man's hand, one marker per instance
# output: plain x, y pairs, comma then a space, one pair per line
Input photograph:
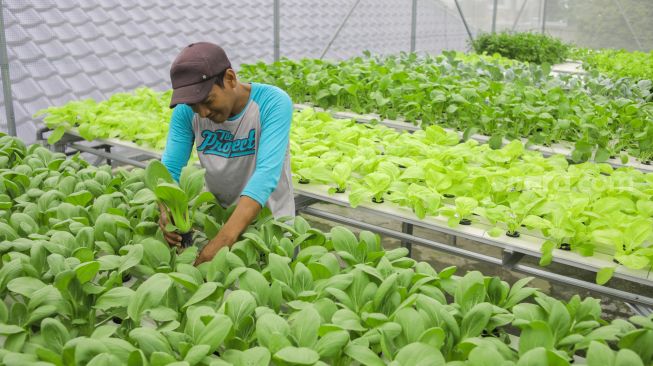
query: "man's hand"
172, 238
245, 212
210, 250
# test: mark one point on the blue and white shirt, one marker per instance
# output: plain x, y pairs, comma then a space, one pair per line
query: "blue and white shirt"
247, 155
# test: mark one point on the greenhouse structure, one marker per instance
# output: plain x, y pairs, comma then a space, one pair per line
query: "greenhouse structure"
337, 182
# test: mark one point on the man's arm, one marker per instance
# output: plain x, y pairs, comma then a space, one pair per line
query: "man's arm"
246, 211
180, 140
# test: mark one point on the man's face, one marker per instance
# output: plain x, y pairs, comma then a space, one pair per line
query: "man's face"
218, 105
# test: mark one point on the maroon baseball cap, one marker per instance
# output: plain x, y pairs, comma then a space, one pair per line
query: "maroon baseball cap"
193, 70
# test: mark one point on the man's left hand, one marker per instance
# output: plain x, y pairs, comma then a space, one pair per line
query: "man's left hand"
210, 250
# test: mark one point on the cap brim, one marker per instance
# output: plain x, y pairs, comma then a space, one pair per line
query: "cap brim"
191, 94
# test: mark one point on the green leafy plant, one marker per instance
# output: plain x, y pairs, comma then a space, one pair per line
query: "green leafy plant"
142, 117
180, 200
635, 65
527, 47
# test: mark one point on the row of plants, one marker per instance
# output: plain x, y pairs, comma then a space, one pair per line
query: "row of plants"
584, 207
635, 65
483, 96
87, 279
522, 46
142, 116
507, 187
475, 94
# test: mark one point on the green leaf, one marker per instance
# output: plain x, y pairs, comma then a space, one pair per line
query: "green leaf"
148, 295
57, 134
476, 320
150, 340
104, 359
215, 332
332, 343
297, 356
154, 172
534, 335
363, 355
132, 258
599, 354
239, 305
87, 271
604, 275
344, 240
25, 286
196, 354
80, 198
601, 155
348, 320
257, 356
434, 337
626, 357
496, 141
191, 180
304, 326
117, 297
419, 354
206, 290
272, 332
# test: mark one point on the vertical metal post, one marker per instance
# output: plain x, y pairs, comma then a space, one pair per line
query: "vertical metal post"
494, 16
413, 26
6, 80
630, 27
342, 24
277, 30
462, 17
543, 16
453, 241
521, 10
407, 228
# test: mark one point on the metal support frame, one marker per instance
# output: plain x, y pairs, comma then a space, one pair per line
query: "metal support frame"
544, 16
6, 79
630, 27
337, 32
107, 155
413, 26
462, 17
69, 144
494, 16
407, 228
510, 259
302, 202
521, 11
639, 309
277, 29
453, 240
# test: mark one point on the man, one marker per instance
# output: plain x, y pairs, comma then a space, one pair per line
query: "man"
241, 132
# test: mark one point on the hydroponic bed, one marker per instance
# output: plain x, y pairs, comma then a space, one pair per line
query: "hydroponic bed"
87, 279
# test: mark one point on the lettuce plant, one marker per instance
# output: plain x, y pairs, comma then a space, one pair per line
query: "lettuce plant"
462, 211
374, 186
